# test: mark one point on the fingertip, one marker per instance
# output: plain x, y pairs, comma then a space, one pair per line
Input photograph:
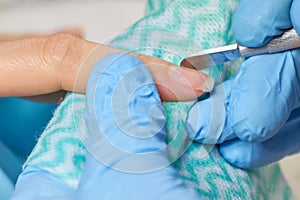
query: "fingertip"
248, 31
245, 131
238, 153
204, 128
179, 84
168, 95
251, 36
192, 78
176, 83
194, 128
199, 123
295, 15
256, 22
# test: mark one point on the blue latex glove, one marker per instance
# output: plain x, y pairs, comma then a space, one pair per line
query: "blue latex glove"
260, 118
37, 184
10, 168
127, 155
6, 186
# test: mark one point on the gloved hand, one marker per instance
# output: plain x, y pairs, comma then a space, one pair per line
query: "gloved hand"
259, 116
127, 154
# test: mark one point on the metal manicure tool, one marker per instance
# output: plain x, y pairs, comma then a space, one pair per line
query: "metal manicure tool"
211, 57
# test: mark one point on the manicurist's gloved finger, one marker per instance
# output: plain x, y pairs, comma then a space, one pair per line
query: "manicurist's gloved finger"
254, 105
295, 15
252, 155
266, 88
265, 91
36, 184
207, 119
257, 21
127, 152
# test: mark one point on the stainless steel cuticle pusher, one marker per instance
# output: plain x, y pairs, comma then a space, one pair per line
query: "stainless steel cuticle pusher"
287, 41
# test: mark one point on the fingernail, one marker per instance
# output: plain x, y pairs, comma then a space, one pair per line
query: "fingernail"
192, 78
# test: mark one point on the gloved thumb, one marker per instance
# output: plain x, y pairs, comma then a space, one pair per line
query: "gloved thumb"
207, 121
257, 21
124, 114
126, 135
295, 15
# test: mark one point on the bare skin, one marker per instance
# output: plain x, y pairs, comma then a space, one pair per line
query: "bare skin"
34, 65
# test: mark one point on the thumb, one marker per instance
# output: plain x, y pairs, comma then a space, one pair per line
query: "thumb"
124, 115
257, 21
295, 15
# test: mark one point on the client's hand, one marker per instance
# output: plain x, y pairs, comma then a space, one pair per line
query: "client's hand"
34, 65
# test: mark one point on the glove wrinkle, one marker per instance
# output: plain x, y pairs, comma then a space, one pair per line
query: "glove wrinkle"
127, 143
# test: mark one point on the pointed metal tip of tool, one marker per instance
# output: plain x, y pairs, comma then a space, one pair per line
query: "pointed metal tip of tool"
211, 57
197, 62
186, 63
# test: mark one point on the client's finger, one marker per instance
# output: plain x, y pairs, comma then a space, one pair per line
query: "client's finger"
46, 64
173, 83
177, 83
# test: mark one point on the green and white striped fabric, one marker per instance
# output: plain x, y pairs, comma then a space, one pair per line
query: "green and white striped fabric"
171, 30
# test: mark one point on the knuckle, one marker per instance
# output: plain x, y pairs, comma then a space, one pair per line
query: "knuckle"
62, 50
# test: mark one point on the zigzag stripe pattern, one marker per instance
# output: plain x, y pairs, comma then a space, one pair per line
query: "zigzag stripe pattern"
212, 176
60, 150
171, 30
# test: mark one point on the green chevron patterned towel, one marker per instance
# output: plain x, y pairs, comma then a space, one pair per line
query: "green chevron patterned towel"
171, 30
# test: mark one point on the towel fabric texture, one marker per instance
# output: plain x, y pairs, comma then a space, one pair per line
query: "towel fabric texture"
170, 30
